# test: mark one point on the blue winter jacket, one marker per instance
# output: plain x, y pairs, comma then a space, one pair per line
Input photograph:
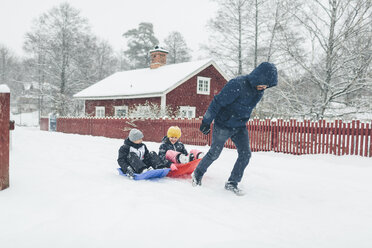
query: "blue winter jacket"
233, 106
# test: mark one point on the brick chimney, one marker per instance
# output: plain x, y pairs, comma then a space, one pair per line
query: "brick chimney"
158, 57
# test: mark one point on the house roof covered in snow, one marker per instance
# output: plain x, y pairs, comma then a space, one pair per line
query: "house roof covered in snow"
146, 82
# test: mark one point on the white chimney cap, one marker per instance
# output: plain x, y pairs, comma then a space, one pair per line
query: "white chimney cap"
158, 49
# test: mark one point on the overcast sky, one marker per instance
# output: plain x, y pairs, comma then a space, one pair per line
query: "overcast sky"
109, 19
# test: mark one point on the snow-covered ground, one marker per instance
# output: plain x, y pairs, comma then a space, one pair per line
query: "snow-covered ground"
26, 119
65, 192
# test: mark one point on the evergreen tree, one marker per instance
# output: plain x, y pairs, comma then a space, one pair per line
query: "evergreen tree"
140, 42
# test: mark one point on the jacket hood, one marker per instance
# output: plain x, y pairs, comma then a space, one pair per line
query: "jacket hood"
264, 74
128, 142
165, 139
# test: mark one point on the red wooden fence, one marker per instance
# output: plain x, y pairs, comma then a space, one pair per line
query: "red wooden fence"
286, 136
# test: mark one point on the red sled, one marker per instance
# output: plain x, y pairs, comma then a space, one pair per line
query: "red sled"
184, 170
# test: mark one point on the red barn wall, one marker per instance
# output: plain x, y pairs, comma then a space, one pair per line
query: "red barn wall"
90, 105
185, 94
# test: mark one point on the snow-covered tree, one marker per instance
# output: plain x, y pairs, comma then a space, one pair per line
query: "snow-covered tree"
66, 56
140, 41
336, 68
56, 40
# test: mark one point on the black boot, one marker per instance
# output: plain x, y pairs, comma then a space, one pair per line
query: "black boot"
195, 179
130, 172
136, 163
233, 187
191, 157
157, 162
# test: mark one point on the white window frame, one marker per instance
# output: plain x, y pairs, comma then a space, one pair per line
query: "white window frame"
203, 86
118, 108
187, 111
100, 111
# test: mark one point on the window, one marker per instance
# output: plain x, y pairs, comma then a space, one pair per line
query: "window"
121, 111
100, 111
187, 111
203, 85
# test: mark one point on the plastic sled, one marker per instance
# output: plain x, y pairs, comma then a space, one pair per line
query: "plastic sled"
152, 174
184, 169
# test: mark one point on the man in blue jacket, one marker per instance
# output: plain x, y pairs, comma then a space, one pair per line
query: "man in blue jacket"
230, 110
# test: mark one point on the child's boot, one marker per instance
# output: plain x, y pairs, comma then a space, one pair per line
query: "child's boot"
130, 172
196, 154
172, 156
183, 159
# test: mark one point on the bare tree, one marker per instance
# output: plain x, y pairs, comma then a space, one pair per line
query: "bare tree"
4, 61
37, 67
244, 33
231, 34
176, 45
66, 56
278, 31
59, 35
11, 72
337, 70
106, 60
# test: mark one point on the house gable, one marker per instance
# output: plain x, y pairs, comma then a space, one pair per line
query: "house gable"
185, 94
196, 73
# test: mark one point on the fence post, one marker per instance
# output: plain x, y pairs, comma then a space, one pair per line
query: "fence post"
370, 141
274, 135
4, 135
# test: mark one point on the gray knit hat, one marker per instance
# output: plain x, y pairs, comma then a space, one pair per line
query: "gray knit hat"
135, 134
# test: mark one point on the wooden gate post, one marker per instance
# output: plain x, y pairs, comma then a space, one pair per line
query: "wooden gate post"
4, 135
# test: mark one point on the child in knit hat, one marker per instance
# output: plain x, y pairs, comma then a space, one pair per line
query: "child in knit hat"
134, 157
173, 150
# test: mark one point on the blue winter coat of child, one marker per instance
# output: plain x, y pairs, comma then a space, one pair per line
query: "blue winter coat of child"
167, 145
233, 106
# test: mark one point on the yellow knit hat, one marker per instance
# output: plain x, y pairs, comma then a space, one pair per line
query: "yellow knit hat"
174, 131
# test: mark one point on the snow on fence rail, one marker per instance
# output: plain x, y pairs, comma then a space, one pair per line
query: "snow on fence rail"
286, 136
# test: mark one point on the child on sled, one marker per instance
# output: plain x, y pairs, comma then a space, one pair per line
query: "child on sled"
174, 151
134, 157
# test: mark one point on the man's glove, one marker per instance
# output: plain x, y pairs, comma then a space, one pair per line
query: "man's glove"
205, 128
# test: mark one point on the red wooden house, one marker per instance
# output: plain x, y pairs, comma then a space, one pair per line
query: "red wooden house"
185, 87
